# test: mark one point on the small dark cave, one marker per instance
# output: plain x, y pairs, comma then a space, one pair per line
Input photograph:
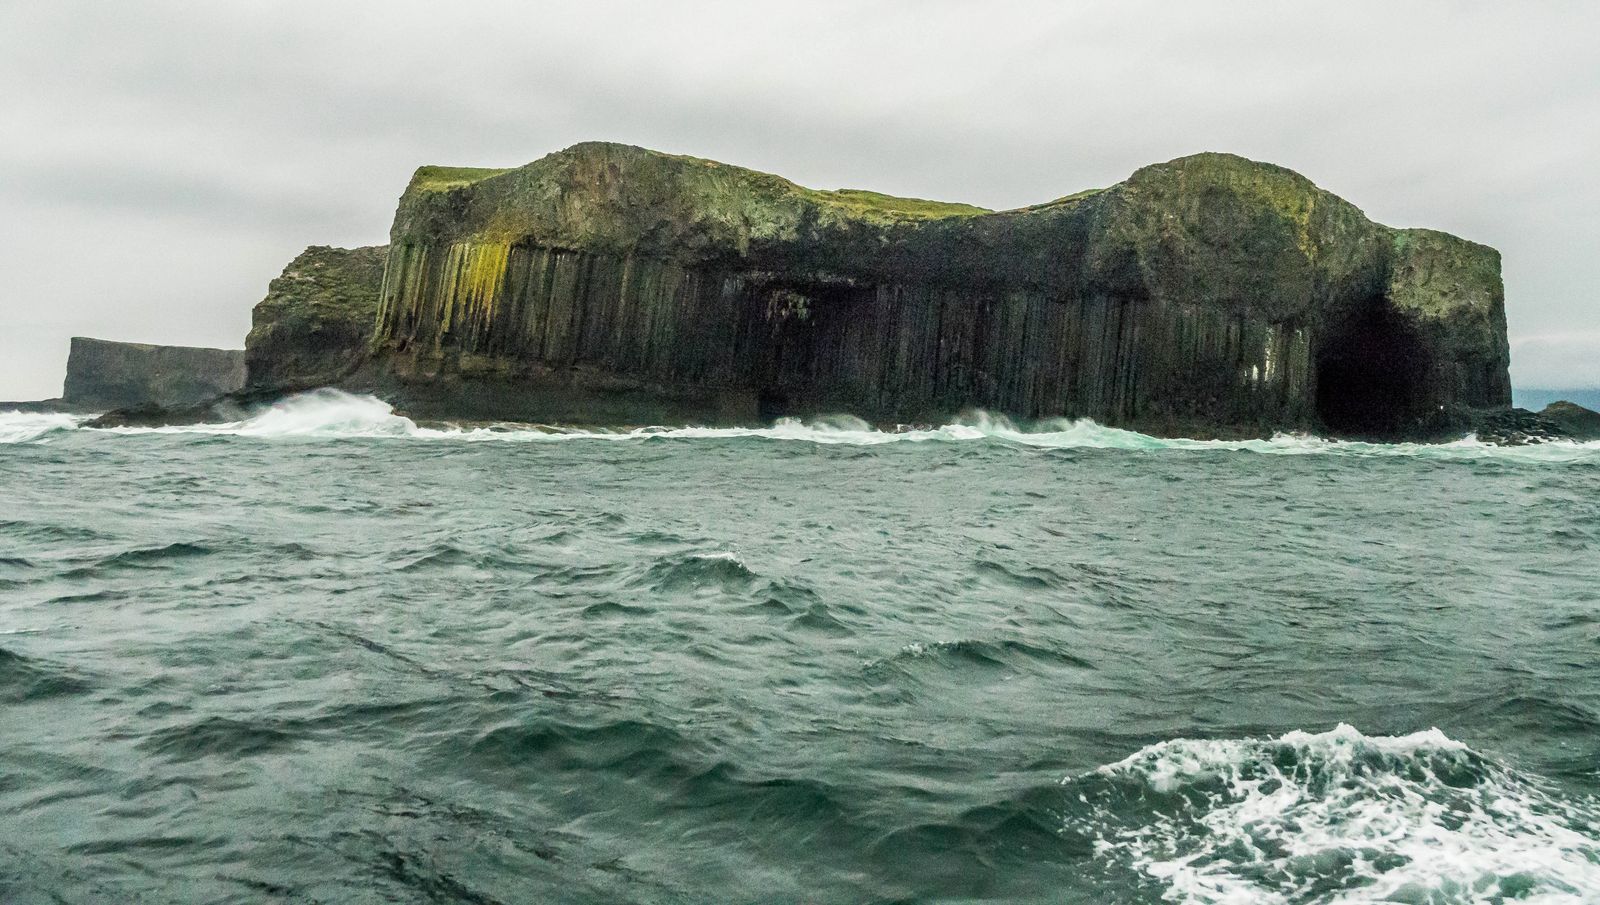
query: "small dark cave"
1372, 370
772, 404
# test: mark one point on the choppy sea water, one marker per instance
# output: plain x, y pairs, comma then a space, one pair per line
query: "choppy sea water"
326, 655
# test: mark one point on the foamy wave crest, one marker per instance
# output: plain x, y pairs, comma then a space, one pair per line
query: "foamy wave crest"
1336, 817
22, 427
333, 413
318, 413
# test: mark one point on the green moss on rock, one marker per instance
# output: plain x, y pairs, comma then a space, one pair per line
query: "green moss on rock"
442, 179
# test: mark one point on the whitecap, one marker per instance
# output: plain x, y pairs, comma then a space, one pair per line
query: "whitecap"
319, 413
330, 413
23, 427
1336, 818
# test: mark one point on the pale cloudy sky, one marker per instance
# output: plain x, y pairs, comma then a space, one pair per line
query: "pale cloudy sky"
161, 161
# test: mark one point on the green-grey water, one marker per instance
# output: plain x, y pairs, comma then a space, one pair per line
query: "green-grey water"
329, 656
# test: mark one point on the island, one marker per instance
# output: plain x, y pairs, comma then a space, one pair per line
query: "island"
105, 374
605, 284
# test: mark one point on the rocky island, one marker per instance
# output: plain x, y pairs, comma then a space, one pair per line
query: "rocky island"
1210, 296
105, 374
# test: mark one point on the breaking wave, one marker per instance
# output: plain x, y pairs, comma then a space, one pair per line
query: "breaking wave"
1335, 817
23, 427
334, 414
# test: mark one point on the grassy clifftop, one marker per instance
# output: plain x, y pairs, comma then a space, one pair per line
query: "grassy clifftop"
1211, 228
443, 179
623, 197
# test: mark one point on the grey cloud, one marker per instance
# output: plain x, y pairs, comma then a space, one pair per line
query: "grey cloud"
219, 139
170, 193
1559, 361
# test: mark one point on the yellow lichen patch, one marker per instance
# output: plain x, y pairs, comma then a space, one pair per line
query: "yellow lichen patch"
484, 276
474, 277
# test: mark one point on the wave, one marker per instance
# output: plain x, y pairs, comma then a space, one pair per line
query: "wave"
217, 736
1005, 653
698, 572
26, 427
1335, 817
334, 414
25, 679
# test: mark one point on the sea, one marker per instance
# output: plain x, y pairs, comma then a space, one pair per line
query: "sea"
330, 655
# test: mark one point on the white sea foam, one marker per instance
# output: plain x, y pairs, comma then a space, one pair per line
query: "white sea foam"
331, 413
22, 427
1338, 817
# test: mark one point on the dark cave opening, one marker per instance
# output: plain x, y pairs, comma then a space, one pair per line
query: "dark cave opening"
771, 404
1371, 374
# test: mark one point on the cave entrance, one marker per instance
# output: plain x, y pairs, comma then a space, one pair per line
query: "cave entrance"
771, 404
1371, 374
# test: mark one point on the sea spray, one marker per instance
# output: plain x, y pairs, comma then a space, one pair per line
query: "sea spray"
1337, 817
334, 414
24, 427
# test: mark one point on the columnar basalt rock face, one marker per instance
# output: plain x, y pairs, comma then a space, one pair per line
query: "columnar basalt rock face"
102, 374
1207, 296
315, 324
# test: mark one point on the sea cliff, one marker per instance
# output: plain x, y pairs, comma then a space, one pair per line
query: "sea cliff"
103, 374
1207, 296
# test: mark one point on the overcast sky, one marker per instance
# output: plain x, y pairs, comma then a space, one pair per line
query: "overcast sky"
161, 161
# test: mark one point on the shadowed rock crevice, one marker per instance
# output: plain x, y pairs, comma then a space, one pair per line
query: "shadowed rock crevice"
1372, 374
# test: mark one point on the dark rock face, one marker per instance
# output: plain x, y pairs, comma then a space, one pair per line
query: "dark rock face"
1578, 422
316, 321
229, 407
1517, 427
1208, 296
102, 374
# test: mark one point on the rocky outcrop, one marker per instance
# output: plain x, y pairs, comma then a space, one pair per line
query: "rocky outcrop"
1574, 420
314, 325
1558, 421
1207, 296
313, 329
102, 374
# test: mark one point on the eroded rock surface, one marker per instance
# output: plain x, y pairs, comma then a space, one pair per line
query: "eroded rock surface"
315, 324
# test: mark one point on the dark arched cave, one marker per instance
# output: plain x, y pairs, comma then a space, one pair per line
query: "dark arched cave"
1372, 368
